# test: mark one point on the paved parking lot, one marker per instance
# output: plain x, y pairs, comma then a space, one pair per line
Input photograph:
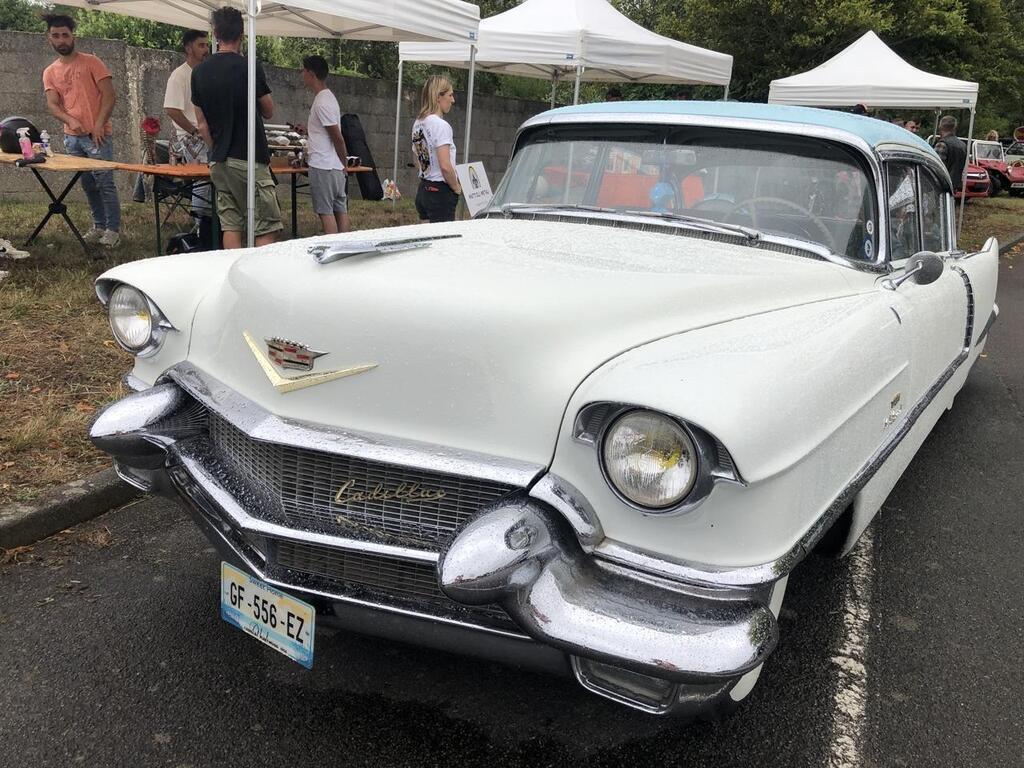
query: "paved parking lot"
908, 654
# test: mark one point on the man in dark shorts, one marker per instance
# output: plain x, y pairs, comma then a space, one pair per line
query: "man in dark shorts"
220, 95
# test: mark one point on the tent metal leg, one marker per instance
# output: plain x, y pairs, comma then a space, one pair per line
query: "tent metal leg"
725, 96
576, 89
398, 126
469, 101
250, 189
554, 88
963, 188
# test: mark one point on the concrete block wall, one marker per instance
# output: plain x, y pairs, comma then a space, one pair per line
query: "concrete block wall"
140, 76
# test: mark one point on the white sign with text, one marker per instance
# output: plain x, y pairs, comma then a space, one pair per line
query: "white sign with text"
475, 186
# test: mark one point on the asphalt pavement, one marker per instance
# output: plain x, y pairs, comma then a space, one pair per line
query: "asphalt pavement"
112, 651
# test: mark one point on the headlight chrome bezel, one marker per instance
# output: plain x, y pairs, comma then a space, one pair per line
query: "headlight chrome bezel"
159, 324
713, 462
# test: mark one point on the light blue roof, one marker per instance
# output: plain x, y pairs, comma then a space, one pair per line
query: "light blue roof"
870, 129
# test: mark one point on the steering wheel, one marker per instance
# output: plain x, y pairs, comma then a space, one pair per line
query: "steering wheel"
751, 206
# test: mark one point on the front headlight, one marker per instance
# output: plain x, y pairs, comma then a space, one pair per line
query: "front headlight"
131, 319
649, 459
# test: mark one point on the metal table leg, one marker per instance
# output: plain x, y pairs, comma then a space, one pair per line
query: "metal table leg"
295, 205
57, 206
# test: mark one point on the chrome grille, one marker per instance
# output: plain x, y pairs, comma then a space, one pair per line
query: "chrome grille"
400, 577
305, 484
389, 580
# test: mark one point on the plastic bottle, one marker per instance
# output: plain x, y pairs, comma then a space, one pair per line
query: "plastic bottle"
44, 139
25, 143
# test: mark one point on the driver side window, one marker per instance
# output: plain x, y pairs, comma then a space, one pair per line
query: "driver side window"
904, 211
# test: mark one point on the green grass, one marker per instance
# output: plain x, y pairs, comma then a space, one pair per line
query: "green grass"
1000, 217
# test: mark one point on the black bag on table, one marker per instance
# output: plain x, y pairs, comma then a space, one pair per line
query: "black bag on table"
355, 140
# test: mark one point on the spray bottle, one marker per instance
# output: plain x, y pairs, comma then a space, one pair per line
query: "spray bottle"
44, 139
25, 143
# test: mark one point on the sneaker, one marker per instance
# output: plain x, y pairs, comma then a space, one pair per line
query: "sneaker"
4, 275
8, 251
93, 235
110, 238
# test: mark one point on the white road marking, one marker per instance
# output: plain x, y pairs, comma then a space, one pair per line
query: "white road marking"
850, 698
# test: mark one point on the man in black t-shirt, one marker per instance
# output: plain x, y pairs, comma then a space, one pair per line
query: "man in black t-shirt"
952, 151
220, 94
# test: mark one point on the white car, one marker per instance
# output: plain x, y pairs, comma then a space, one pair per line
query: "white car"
593, 429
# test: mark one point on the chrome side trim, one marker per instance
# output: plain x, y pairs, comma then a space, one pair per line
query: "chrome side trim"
259, 424
755, 576
770, 126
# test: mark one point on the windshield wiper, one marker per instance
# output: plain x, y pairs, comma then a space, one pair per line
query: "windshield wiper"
508, 208
709, 225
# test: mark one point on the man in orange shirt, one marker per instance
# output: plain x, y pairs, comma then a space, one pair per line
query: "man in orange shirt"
80, 92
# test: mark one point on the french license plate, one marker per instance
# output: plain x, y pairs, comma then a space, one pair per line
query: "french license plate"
269, 615
1017, 185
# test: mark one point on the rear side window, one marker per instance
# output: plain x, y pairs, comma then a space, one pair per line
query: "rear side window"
904, 211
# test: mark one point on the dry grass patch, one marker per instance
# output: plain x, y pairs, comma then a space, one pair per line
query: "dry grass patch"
58, 362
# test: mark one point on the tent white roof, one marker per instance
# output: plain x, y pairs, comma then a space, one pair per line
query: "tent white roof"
542, 38
387, 20
869, 72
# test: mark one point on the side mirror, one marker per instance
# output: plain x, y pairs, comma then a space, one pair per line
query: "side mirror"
923, 268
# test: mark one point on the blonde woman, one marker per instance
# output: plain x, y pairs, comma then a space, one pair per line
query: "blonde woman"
434, 147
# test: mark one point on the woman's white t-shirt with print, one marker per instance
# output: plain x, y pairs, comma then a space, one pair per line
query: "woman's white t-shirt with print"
428, 134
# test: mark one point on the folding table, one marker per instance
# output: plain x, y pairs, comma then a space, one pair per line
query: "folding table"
60, 164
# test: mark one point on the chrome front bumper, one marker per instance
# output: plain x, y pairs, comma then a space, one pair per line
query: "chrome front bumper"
645, 641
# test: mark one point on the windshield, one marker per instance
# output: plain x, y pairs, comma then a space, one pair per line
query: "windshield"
988, 151
786, 185
1017, 148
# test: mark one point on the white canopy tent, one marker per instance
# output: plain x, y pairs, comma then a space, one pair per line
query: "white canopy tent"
588, 40
870, 72
384, 20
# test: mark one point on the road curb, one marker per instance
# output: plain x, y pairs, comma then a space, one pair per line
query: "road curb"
1012, 244
62, 507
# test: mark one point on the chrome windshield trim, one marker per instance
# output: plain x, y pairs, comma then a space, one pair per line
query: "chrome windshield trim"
260, 424
755, 576
868, 152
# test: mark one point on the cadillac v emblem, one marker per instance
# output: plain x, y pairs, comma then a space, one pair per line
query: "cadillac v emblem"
295, 357
291, 355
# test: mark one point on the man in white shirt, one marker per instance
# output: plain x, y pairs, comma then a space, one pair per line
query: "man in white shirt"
326, 149
179, 107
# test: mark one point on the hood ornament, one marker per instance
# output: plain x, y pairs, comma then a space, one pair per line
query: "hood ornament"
285, 384
325, 254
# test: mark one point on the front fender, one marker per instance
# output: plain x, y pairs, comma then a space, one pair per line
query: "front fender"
799, 397
176, 284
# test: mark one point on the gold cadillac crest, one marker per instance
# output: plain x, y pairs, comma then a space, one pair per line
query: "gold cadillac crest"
290, 355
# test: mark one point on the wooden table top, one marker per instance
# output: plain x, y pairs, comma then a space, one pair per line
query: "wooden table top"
63, 163
201, 171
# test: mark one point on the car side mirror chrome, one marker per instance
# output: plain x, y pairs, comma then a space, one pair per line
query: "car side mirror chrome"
923, 268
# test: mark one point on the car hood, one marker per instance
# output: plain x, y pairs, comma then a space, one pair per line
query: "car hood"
479, 341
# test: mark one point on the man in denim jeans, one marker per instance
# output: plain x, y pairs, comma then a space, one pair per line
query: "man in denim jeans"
80, 92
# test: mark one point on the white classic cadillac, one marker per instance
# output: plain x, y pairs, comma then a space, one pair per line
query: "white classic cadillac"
593, 429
